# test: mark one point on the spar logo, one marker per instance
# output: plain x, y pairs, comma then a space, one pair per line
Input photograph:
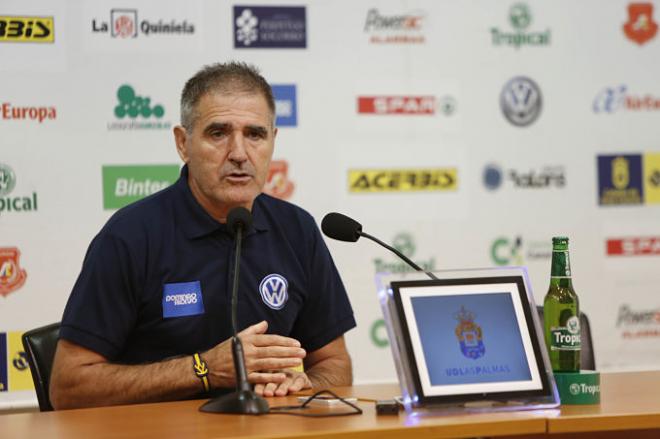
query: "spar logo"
387, 105
124, 24
613, 99
520, 18
274, 290
395, 28
640, 26
12, 276
136, 112
26, 29
278, 184
634, 246
402, 180
16, 203
270, 27
39, 114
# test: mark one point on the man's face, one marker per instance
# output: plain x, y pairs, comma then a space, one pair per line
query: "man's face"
228, 151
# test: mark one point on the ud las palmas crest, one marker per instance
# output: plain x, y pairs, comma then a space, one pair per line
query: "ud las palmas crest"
12, 277
640, 26
469, 334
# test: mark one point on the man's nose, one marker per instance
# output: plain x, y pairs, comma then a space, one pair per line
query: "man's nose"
237, 152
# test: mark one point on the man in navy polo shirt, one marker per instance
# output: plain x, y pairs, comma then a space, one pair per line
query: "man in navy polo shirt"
153, 296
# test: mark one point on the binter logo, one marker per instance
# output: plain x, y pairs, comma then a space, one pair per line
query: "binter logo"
26, 29
634, 246
397, 105
123, 185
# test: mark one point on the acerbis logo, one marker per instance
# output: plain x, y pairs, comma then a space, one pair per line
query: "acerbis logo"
395, 29
402, 180
17, 203
613, 99
640, 26
545, 177
138, 108
521, 101
270, 27
26, 29
278, 184
274, 290
520, 17
124, 24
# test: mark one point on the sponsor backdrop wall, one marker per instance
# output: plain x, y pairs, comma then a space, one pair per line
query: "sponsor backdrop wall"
466, 133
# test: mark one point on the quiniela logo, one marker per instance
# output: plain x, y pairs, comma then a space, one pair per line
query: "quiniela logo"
19, 203
124, 24
26, 29
123, 185
405, 243
138, 111
520, 17
402, 180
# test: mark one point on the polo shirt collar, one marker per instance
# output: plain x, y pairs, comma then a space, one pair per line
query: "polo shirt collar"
195, 220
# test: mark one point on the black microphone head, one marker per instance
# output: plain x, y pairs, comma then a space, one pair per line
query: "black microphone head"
340, 227
239, 217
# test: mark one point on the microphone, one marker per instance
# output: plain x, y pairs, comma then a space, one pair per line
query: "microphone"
243, 400
342, 228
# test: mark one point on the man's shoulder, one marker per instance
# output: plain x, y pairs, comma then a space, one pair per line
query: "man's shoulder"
284, 213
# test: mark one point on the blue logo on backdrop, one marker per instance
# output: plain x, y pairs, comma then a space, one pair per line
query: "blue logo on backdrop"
182, 299
270, 27
492, 177
610, 99
285, 105
274, 291
469, 335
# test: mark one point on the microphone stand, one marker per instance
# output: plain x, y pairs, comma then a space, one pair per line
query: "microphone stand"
398, 253
243, 400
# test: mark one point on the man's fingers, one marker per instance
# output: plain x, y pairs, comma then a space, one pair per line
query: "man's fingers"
259, 389
284, 387
269, 390
272, 363
259, 328
265, 378
262, 340
300, 381
280, 352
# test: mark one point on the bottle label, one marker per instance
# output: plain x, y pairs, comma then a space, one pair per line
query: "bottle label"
566, 338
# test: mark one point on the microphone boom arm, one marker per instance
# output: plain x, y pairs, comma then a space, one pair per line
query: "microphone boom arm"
398, 253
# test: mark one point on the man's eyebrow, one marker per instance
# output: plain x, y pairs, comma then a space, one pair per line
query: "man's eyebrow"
258, 129
217, 126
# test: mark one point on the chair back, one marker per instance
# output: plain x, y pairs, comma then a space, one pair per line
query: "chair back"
587, 356
39, 345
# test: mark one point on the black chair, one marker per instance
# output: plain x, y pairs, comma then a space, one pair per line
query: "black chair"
39, 345
587, 357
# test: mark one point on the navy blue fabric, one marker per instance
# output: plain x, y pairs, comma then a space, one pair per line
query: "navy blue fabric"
116, 306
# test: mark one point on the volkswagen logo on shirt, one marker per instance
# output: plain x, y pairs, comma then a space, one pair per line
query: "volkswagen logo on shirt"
274, 291
521, 101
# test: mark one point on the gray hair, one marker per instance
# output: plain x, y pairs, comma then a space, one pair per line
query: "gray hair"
227, 78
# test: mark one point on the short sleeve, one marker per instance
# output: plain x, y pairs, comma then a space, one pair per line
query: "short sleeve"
327, 312
102, 309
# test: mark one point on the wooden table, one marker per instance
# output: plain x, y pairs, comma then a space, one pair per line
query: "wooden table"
630, 401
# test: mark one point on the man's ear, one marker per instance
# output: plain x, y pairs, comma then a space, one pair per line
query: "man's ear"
180, 137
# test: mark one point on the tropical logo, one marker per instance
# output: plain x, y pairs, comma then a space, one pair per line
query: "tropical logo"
469, 334
12, 276
520, 18
405, 243
521, 101
640, 26
17, 203
135, 112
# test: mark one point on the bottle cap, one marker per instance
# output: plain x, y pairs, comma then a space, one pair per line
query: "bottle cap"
560, 242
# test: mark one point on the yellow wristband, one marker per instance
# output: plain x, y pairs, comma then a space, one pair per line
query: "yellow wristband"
201, 370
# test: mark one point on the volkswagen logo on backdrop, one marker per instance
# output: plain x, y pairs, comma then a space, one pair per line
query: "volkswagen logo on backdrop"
521, 101
274, 291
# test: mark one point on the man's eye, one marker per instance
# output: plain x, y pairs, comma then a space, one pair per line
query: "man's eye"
217, 134
255, 135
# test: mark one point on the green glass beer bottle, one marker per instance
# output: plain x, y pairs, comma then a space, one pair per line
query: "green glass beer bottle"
561, 312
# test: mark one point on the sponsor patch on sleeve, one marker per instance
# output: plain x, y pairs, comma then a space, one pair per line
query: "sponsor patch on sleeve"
182, 299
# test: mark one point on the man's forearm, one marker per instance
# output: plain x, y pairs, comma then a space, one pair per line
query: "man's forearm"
113, 384
331, 372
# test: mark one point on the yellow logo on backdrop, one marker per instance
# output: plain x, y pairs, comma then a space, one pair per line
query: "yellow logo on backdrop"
27, 29
19, 370
620, 173
652, 178
402, 180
